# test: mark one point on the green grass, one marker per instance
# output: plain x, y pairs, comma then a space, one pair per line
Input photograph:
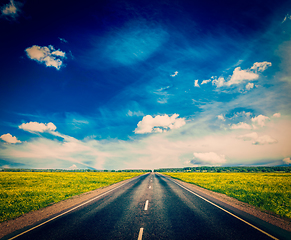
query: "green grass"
267, 191
23, 192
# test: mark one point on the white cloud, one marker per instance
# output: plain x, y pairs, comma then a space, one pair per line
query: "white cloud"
208, 158
266, 139
241, 125
59, 53
46, 153
247, 113
249, 86
138, 113
240, 75
175, 74
260, 120
261, 66
221, 117
47, 55
249, 136
164, 95
159, 123
38, 127
9, 138
153, 151
287, 160
162, 100
159, 130
205, 81
196, 84
219, 82
277, 115
10, 9
243, 113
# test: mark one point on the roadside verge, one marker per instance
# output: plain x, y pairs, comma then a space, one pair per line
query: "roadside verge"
54, 210
267, 217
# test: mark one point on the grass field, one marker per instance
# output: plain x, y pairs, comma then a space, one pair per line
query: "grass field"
268, 191
23, 192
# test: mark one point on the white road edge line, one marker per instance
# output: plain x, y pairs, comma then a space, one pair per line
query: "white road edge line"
225, 210
140, 234
72, 209
146, 205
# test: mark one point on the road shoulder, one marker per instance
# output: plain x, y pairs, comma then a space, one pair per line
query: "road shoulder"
40, 215
274, 220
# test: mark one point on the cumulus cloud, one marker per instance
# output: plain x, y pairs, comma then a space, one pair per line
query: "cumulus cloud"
241, 114
249, 86
9, 138
160, 123
175, 74
218, 82
287, 160
153, 151
47, 153
38, 127
249, 136
11, 9
260, 120
46, 55
241, 125
277, 115
260, 66
208, 158
205, 81
240, 75
196, 84
266, 139
221, 117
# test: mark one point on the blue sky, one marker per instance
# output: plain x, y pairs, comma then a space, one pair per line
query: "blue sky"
145, 84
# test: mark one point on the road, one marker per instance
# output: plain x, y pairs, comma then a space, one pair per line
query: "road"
152, 206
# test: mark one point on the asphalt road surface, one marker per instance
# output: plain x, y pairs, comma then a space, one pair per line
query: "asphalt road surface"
152, 206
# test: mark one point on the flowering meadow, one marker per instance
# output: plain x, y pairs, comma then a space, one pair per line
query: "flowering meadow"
268, 191
22, 192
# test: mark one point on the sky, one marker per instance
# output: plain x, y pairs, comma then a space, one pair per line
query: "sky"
145, 84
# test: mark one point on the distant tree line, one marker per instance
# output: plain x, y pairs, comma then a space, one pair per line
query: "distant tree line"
225, 169
186, 169
69, 170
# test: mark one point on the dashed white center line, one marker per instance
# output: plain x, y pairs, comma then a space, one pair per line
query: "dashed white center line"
70, 210
146, 205
140, 234
150, 186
